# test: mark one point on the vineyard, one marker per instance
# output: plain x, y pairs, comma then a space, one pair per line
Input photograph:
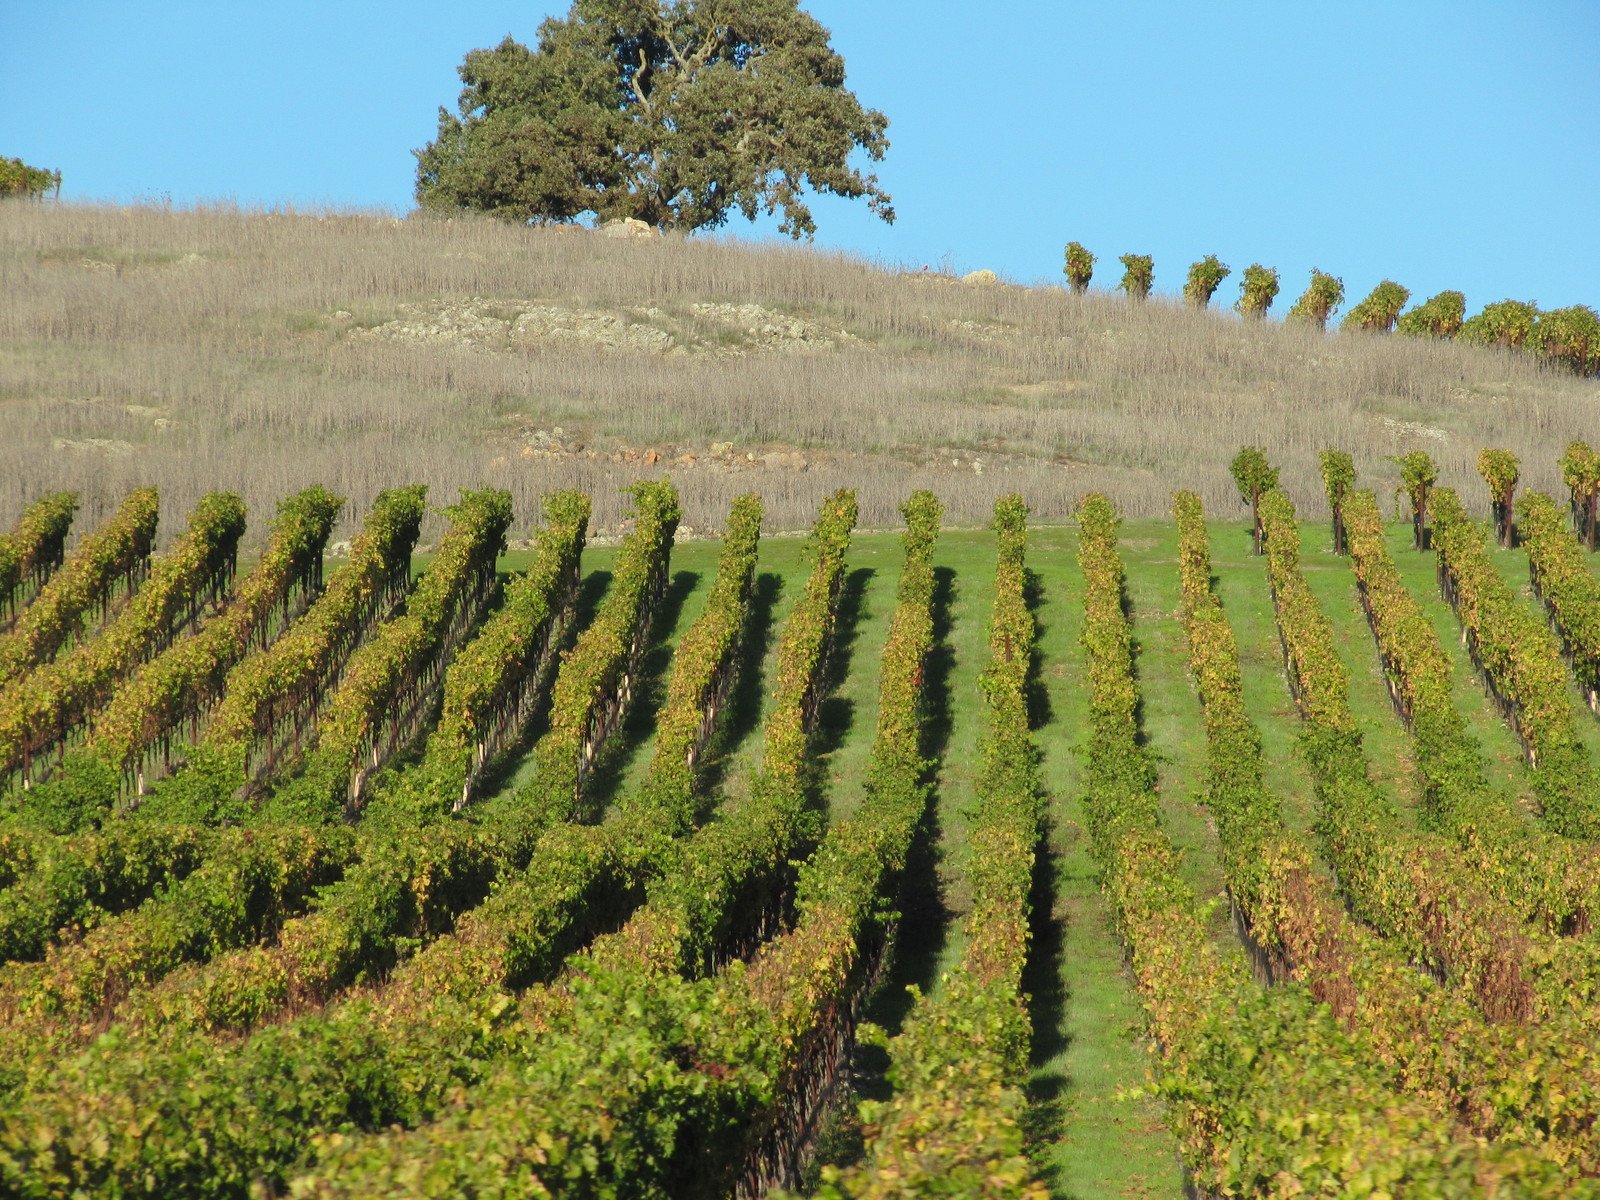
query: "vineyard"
1108, 857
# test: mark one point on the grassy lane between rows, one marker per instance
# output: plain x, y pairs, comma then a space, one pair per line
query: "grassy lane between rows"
1095, 1135
1383, 736
935, 896
1171, 713
1241, 585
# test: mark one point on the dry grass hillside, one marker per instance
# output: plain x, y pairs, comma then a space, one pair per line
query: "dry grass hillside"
261, 352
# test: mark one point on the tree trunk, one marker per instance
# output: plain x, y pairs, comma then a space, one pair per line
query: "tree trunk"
1255, 517
1338, 528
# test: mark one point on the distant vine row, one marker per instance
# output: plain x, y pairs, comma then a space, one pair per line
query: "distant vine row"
39, 711
1293, 920
108, 561
1521, 662
1407, 885
1553, 879
33, 548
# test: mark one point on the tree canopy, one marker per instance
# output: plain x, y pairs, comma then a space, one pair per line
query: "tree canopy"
17, 178
674, 112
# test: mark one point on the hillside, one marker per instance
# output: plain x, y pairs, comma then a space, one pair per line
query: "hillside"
264, 352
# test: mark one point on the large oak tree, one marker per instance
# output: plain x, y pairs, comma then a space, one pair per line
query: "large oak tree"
675, 113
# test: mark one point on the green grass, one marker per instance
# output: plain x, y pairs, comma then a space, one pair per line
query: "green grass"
1090, 1049
1241, 584
1391, 763
1171, 712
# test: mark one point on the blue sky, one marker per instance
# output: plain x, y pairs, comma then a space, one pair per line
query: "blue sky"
1440, 144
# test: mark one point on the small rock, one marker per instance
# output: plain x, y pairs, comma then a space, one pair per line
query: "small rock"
721, 449
651, 458
686, 460
628, 227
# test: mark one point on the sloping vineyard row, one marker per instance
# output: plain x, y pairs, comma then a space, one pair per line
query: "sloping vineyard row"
32, 549
1495, 1079
1231, 1049
350, 889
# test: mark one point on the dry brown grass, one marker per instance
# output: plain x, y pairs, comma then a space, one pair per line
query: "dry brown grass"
200, 349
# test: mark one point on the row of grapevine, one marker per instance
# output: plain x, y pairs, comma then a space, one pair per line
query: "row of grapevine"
725, 886
579, 876
32, 550
271, 699
1580, 471
1522, 665
954, 1125
1549, 878
90, 876
40, 710
1292, 918
418, 868
722, 1101
171, 694
107, 562
1249, 1111
595, 685
389, 682
496, 683
280, 866
1566, 585
811, 982
1407, 885
463, 569
248, 884
366, 1063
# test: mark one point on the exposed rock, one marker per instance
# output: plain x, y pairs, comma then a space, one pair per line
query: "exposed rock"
110, 447
546, 323
760, 328
627, 227
721, 449
486, 324
984, 277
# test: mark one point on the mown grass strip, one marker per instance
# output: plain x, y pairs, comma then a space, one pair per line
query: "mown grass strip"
955, 1121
